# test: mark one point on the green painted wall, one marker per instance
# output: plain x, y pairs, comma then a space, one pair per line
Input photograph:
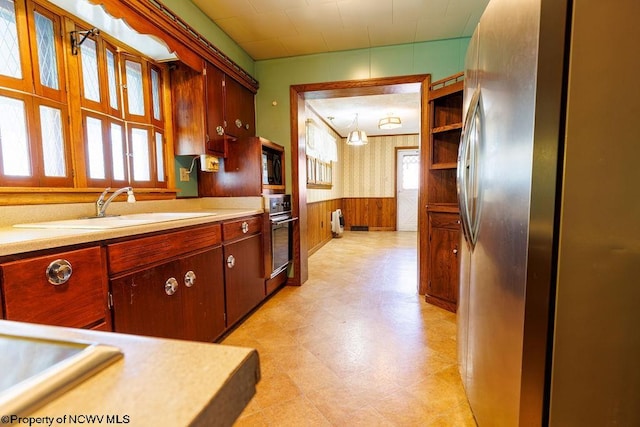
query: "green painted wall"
439, 58
202, 24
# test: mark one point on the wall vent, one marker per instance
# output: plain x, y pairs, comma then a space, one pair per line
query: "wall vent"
359, 228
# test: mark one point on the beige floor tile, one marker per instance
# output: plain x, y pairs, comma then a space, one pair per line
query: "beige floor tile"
355, 345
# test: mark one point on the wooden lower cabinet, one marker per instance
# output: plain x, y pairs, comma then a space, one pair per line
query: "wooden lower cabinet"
443, 270
244, 277
80, 301
183, 298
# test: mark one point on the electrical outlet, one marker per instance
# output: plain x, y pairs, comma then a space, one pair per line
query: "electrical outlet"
184, 175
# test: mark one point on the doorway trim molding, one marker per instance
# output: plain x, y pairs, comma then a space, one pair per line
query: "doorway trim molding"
340, 89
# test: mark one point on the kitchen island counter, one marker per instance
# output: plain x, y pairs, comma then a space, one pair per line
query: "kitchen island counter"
157, 382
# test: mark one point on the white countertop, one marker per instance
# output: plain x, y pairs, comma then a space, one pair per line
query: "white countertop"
20, 240
157, 382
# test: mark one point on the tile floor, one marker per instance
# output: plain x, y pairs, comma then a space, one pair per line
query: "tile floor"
355, 345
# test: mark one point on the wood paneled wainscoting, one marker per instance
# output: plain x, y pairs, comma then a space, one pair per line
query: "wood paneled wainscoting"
319, 222
360, 213
375, 213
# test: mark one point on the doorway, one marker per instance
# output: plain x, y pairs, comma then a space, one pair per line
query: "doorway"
407, 188
297, 96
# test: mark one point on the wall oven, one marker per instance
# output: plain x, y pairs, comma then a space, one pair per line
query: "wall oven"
281, 220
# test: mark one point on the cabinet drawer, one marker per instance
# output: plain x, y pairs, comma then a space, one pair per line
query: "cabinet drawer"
447, 220
242, 227
137, 253
80, 302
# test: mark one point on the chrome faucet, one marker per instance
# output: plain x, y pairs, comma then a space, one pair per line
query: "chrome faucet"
101, 205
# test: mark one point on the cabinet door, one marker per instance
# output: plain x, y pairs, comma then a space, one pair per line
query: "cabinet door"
244, 281
194, 311
203, 295
80, 301
142, 306
214, 107
240, 173
443, 275
189, 110
239, 109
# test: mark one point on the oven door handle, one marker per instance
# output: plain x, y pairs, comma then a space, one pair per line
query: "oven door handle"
285, 221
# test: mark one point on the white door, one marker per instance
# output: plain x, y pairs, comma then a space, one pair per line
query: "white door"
408, 180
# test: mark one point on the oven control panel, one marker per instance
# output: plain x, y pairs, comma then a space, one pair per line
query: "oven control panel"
278, 203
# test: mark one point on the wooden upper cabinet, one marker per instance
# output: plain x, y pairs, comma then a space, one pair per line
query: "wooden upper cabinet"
211, 110
240, 173
239, 109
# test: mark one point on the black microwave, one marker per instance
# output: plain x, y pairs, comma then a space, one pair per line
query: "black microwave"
271, 168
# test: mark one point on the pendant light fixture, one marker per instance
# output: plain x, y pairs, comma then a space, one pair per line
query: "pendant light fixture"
357, 136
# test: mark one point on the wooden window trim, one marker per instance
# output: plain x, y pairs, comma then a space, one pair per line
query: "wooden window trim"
25, 83
60, 94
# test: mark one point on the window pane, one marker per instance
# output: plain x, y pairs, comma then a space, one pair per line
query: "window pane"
13, 137
159, 157
94, 145
46, 51
52, 141
111, 74
140, 148
90, 70
155, 94
135, 97
410, 172
117, 152
9, 50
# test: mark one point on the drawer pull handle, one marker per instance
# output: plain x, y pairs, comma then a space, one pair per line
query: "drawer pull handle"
245, 227
238, 123
219, 130
59, 272
231, 261
455, 251
171, 286
189, 279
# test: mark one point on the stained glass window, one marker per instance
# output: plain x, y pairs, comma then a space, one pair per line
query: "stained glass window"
52, 141
13, 137
47, 59
155, 94
140, 154
90, 79
9, 49
94, 146
117, 152
111, 77
160, 157
135, 97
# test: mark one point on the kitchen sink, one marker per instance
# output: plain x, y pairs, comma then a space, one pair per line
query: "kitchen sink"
115, 221
36, 370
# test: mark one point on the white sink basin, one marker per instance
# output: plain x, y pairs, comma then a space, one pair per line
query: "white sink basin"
39, 369
118, 221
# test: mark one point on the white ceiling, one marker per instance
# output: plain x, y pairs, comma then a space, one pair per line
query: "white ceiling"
268, 29
370, 110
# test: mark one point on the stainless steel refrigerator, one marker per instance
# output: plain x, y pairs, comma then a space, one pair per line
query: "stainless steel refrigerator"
549, 192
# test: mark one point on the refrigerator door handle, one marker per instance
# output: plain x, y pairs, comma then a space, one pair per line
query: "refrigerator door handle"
467, 170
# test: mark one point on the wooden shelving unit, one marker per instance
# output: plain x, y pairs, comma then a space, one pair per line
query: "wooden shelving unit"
439, 272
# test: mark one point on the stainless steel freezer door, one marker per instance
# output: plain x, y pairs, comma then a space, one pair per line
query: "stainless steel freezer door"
497, 267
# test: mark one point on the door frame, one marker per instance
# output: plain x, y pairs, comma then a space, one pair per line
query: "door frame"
340, 89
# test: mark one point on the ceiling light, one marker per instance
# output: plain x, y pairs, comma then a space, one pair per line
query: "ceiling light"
389, 122
357, 137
